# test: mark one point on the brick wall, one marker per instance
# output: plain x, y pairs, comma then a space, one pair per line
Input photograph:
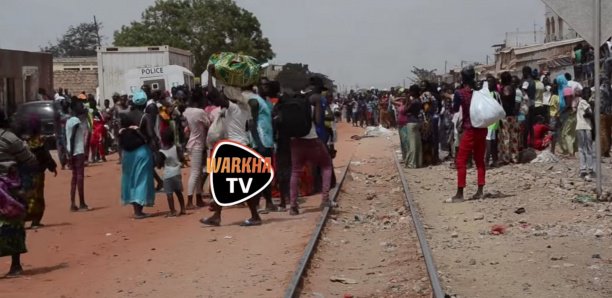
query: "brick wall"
76, 80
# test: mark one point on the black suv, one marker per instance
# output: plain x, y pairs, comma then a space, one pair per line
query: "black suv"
46, 111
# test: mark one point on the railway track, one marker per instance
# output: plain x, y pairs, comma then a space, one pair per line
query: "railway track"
295, 286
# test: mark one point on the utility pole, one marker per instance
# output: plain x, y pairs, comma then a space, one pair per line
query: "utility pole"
597, 45
445, 65
517, 35
535, 40
97, 31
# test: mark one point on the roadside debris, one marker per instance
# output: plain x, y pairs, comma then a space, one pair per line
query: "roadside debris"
346, 281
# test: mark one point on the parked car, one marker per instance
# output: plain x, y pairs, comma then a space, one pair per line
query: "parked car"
47, 113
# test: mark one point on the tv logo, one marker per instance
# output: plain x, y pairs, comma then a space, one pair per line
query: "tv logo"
237, 173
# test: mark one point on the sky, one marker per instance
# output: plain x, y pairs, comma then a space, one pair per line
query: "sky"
355, 42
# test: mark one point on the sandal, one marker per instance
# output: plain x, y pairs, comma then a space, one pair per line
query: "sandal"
171, 214
84, 208
210, 222
454, 200
329, 204
294, 211
141, 216
476, 197
250, 223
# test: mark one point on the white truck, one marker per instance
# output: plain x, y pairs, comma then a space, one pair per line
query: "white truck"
115, 62
159, 78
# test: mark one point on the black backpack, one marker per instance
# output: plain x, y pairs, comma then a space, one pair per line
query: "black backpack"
294, 118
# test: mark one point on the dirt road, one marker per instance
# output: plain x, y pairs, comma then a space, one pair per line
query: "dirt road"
554, 247
105, 253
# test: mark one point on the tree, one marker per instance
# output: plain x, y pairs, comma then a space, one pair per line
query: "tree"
422, 74
81, 40
202, 26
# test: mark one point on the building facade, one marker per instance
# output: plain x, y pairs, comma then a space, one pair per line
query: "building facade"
76, 74
21, 76
556, 28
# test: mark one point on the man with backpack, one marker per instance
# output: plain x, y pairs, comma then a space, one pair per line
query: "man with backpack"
298, 113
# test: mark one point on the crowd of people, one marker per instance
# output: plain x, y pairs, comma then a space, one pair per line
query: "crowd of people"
169, 130
542, 113
158, 130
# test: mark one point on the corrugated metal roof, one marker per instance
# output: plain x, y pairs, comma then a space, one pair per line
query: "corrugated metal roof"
545, 46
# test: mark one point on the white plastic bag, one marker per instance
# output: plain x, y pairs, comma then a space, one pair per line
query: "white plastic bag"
484, 109
217, 130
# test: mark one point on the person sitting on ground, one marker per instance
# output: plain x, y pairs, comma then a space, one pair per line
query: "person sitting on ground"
541, 137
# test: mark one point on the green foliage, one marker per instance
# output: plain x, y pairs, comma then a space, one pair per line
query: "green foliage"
422, 74
203, 27
81, 40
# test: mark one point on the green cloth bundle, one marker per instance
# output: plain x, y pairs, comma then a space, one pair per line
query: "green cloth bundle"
235, 69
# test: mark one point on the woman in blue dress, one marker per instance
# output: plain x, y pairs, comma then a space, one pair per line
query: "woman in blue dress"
137, 165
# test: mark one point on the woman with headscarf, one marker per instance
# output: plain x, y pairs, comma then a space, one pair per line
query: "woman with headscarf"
510, 130
567, 140
13, 154
33, 178
137, 164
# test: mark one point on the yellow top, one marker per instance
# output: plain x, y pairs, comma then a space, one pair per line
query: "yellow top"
554, 106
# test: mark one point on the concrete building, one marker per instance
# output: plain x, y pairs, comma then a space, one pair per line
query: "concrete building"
21, 75
556, 28
76, 74
555, 57
75, 63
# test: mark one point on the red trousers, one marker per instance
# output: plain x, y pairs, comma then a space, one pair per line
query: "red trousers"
473, 141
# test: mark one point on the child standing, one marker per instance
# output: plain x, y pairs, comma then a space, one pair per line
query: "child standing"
97, 139
76, 143
171, 159
583, 134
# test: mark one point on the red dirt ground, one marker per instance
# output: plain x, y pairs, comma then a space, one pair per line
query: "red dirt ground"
105, 253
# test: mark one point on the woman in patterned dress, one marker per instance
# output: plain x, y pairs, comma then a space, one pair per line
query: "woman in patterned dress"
12, 231
510, 130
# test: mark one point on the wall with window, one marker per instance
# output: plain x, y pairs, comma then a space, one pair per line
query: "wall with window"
21, 75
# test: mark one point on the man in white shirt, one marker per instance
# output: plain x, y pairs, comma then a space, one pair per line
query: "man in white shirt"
584, 115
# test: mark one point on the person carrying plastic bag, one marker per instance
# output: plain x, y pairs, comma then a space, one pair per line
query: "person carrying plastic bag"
479, 111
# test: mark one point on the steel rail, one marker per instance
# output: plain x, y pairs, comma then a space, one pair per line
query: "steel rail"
296, 282
427, 254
